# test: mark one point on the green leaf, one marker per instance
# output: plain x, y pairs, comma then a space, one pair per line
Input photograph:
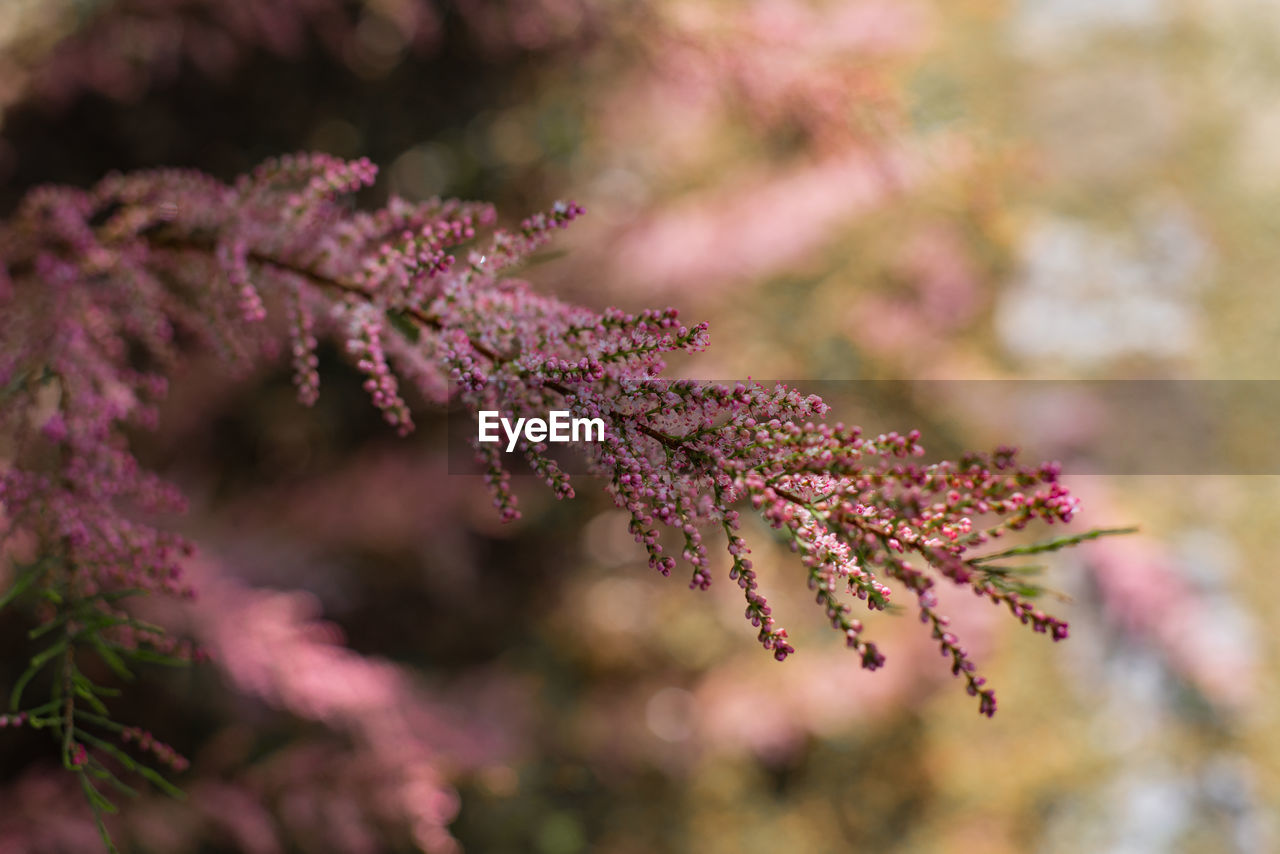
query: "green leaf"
147, 772
85, 692
1054, 545
98, 804
96, 622
105, 723
27, 576
544, 257
150, 656
18, 381
1029, 591
1033, 569
37, 664
41, 709
116, 595
97, 769
41, 631
97, 800
144, 626
110, 658
40, 659
404, 325
161, 783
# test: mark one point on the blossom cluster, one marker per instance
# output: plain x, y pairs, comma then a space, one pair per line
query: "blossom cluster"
149, 743
107, 290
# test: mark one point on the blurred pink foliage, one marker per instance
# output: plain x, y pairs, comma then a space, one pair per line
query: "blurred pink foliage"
273, 646
767, 223
788, 61
819, 76
941, 292
398, 743
1147, 592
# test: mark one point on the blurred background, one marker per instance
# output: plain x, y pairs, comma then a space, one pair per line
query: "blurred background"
848, 190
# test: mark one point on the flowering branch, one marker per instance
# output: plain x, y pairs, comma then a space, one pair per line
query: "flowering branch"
106, 291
